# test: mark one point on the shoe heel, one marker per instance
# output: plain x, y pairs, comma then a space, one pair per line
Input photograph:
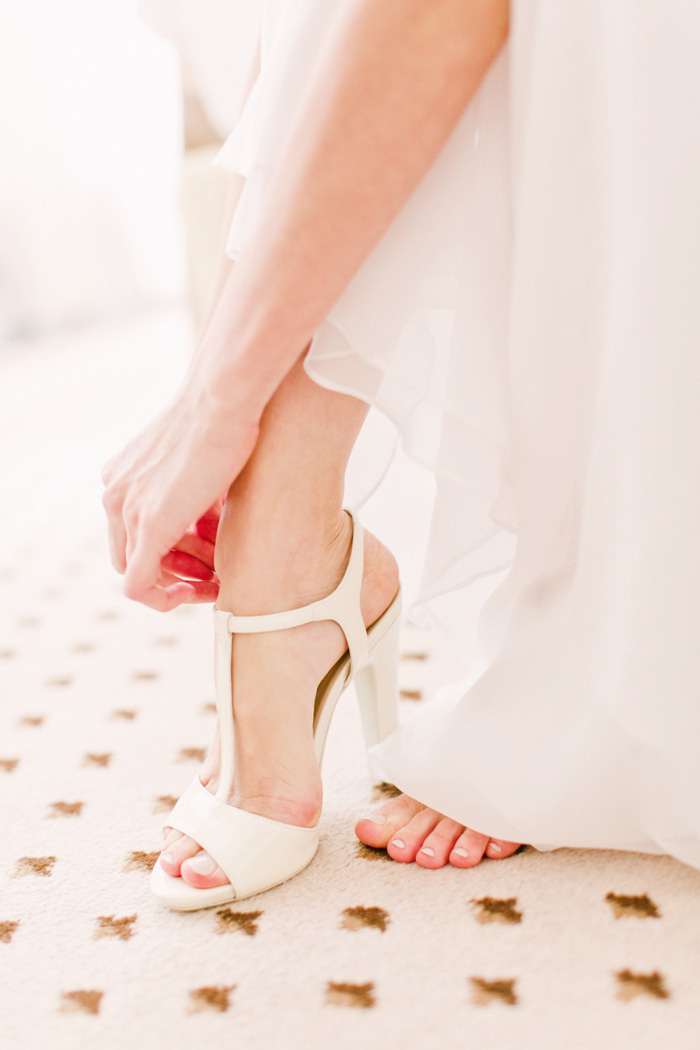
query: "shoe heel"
377, 687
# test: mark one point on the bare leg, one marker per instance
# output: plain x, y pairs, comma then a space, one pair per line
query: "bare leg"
283, 542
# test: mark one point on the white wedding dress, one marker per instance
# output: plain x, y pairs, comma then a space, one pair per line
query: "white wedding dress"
530, 323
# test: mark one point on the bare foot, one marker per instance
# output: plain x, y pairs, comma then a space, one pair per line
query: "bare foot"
275, 678
410, 831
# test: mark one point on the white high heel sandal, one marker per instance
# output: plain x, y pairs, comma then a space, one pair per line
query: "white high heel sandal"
257, 853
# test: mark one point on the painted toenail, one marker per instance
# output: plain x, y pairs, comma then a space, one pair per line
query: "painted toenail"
398, 843
203, 864
495, 847
167, 858
460, 851
428, 850
377, 818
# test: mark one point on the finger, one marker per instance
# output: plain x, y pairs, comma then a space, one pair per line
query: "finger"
107, 471
204, 592
164, 599
116, 530
143, 574
207, 526
199, 548
117, 544
201, 591
185, 566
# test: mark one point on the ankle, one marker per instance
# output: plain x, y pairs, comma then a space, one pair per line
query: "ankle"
278, 801
269, 566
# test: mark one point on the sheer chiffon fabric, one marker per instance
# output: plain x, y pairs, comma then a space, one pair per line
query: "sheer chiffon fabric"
530, 325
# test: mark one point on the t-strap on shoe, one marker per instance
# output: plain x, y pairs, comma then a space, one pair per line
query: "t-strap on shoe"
257, 853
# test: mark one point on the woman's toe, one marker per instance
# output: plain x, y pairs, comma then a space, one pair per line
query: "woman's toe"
202, 872
378, 828
468, 849
438, 845
176, 852
408, 839
498, 849
170, 836
409, 831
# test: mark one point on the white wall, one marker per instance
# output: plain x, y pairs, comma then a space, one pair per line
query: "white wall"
90, 156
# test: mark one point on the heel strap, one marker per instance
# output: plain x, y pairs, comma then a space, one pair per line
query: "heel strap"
342, 606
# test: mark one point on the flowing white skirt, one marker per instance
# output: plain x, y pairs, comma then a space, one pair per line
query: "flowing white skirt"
530, 323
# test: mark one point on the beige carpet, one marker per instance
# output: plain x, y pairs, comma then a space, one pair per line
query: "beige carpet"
106, 709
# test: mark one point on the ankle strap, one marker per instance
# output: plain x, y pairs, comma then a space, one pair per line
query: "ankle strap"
342, 606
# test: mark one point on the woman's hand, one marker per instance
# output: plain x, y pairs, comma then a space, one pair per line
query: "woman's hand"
163, 496
192, 557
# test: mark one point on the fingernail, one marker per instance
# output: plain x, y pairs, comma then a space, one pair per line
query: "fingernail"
495, 848
460, 851
167, 858
398, 843
377, 818
203, 864
429, 852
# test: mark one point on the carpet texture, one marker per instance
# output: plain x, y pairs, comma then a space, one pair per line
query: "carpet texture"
106, 713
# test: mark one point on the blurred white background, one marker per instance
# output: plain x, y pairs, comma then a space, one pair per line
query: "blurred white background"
94, 328
91, 132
